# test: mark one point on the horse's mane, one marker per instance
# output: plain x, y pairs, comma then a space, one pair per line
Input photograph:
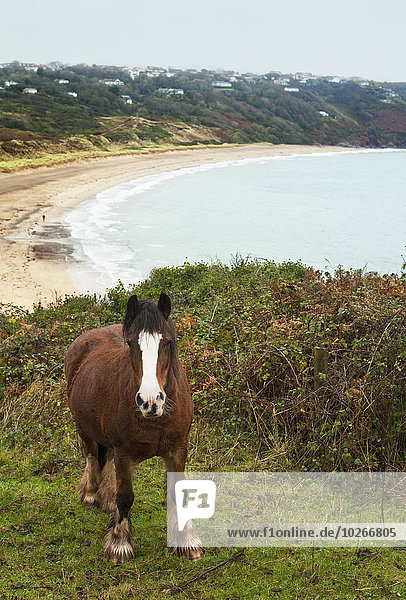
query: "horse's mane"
147, 318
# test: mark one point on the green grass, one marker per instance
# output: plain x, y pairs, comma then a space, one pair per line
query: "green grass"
246, 336
51, 547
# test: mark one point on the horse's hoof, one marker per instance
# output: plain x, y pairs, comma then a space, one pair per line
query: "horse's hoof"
120, 559
194, 553
190, 553
89, 499
117, 544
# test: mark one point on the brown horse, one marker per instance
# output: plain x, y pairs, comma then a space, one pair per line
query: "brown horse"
131, 401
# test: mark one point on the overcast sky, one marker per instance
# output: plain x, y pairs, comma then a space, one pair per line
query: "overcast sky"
364, 38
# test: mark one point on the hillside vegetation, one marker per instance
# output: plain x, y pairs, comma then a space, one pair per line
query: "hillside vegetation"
97, 119
247, 336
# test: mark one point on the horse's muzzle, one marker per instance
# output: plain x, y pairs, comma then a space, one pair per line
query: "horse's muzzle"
151, 407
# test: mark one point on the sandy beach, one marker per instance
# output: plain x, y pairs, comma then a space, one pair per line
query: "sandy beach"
35, 247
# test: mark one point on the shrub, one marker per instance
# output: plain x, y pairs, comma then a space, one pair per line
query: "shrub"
247, 334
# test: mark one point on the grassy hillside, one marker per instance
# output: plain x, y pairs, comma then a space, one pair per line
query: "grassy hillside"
254, 109
247, 336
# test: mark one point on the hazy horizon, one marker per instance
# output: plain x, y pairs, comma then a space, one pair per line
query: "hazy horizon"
354, 39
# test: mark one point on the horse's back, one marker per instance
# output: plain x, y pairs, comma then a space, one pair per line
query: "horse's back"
88, 343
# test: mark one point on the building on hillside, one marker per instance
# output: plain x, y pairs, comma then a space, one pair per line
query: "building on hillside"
391, 93
133, 73
323, 113
302, 76
291, 90
10, 83
281, 81
221, 84
63, 81
30, 91
30, 67
73, 94
171, 91
110, 82
55, 66
127, 99
155, 71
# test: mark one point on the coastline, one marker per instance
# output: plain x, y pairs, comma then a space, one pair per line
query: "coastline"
34, 245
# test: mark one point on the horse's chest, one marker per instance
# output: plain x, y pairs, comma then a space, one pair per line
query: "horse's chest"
146, 444
165, 445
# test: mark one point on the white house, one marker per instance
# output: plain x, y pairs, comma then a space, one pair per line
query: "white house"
291, 90
323, 113
64, 81
55, 66
221, 84
127, 99
73, 94
30, 67
30, 91
171, 91
281, 81
111, 81
133, 73
155, 72
10, 83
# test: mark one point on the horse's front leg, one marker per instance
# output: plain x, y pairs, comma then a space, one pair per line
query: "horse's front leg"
189, 543
118, 542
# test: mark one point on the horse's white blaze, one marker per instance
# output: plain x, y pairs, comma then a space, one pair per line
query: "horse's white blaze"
149, 345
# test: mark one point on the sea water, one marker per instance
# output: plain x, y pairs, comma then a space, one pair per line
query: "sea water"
329, 209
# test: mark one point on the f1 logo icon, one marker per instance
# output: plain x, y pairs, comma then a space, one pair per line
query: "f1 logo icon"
195, 499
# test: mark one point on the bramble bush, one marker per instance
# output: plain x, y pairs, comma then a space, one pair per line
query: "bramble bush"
247, 334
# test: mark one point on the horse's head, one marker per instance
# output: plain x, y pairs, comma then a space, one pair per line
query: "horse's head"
150, 336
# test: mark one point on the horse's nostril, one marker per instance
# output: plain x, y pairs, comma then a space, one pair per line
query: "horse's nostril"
161, 396
145, 406
153, 409
139, 400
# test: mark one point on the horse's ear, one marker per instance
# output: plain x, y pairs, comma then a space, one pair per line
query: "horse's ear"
133, 307
164, 305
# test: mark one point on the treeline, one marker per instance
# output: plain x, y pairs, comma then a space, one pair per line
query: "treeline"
255, 110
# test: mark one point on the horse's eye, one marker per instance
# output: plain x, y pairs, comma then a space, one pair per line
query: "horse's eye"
129, 342
168, 343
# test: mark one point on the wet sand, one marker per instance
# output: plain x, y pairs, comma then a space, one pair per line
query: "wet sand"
36, 256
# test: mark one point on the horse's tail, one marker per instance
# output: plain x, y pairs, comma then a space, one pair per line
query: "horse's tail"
74, 358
